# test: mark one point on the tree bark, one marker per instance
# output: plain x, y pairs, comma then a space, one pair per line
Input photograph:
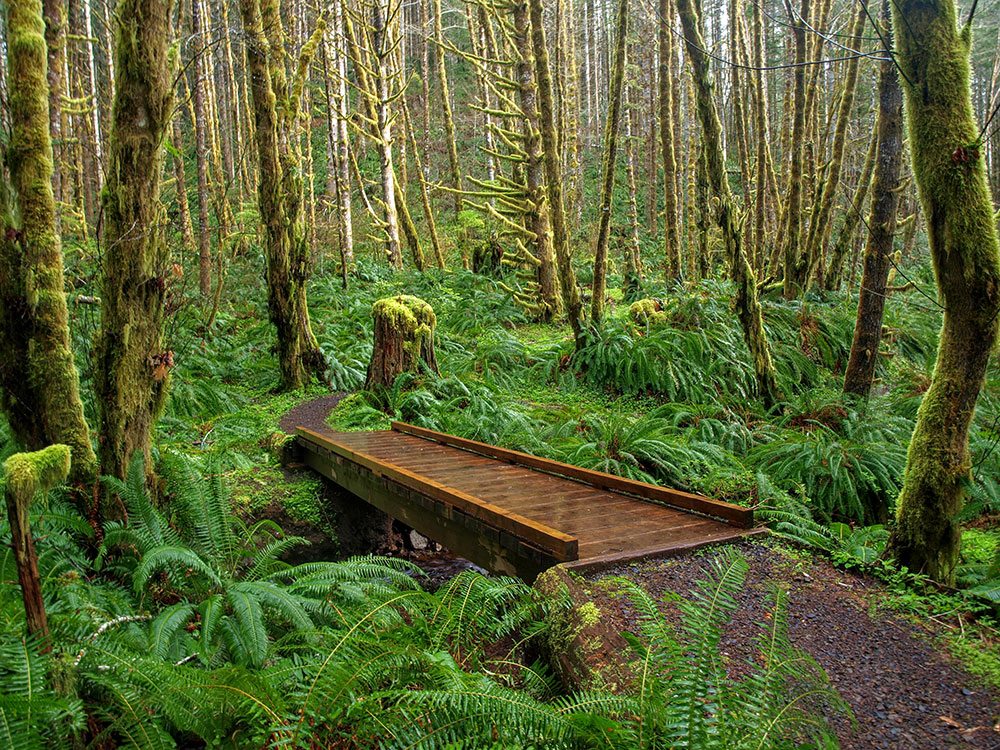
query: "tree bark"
280, 190
201, 150
951, 176
671, 240
845, 240
553, 169
823, 208
860, 372
29, 475
747, 304
794, 261
449, 120
611, 127
39, 385
54, 12
132, 366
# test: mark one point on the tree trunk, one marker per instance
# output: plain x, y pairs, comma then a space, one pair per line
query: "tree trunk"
747, 305
792, 249
342, 141
537, 219
54, 12
280, 191
132, 367
671, 240
201, 150
449, 120
860, 372
425, 196
845, 240
404, 339
820, 218
951, 177
384, 131
553, 169
180, 180
39, 385
610, 165
631, 250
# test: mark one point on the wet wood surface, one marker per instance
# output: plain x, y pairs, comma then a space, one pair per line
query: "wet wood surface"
524, 512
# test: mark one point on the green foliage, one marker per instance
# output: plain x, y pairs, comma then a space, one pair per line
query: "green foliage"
686, 697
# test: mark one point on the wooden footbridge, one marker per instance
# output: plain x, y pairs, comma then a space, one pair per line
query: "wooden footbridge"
511, 512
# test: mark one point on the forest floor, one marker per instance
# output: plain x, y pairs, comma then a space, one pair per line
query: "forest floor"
904, 689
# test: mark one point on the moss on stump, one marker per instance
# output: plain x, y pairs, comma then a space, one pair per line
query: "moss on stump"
404, 338
28, 475
648, 312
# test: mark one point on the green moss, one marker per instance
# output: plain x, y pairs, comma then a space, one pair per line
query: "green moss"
406, 314
978, 656
39, 385
354, 413
256, 489
951, 176
28, 474
648, 312
589, 614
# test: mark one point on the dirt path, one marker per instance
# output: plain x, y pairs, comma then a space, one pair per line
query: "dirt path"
905, 692
313, 411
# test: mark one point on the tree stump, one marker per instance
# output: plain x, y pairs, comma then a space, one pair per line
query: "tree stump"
28, 475
404, 338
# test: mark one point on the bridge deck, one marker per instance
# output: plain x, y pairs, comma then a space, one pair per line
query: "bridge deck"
530, 512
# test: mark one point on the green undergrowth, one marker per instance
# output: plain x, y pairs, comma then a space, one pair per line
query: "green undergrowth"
672, 403
189, 630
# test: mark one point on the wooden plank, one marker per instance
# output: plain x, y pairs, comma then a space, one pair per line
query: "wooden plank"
585, 501
597, 563
686, 500
662, 538
563, 546
631, 535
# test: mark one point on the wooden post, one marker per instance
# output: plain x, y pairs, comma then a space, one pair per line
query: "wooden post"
29, 474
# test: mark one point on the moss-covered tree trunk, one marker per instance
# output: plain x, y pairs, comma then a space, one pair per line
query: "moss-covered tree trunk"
553, 168
131, 365
860, 372
404, 339
933, 53
822, 212
631, 249
28, 475
747, 304
54, 12
201, 147
671, 237
39, 385
279, 191
610, 164
537, 218
794, 261
449, 119
767, 193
